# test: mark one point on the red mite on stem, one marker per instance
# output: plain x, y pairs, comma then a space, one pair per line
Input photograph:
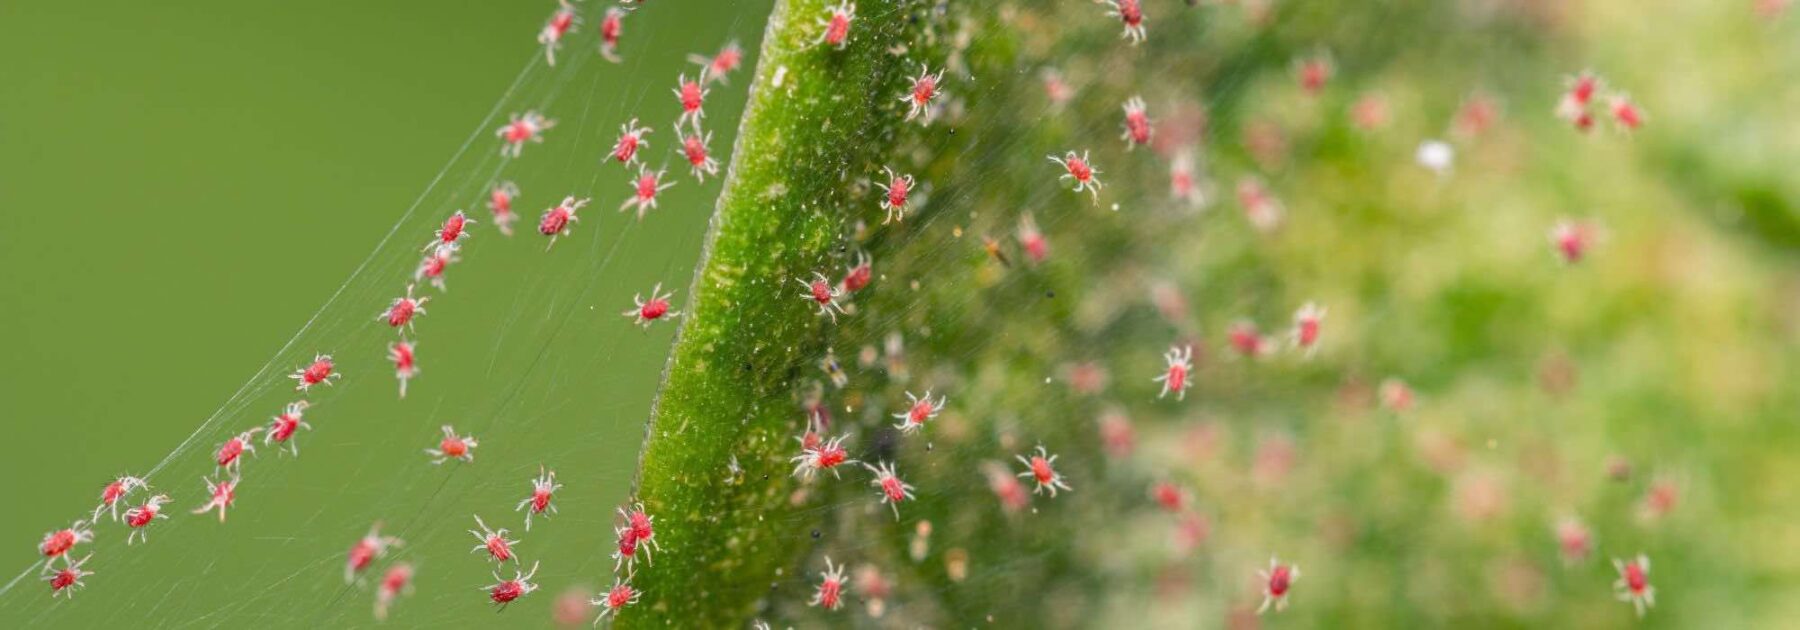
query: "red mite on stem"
617, 598
829, 594
837, 25
1041, 468
1277, 580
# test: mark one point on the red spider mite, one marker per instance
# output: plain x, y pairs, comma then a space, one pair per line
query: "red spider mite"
618, 597
1573, 540
631, 138
829, 595
918, 410
892, 489
1625, 113
717, 67
1396, 395
230, 454
1183, 185
693, 148
114, 492
1571, 240
405, 364
646, 312
1307, 322
873, 586
284, 425
895, 193
1277, 581
543, 488
396, 582
1313, 72
826, 455
1041, 468
500, 200
494, 542
522, 128
1116, 434
1169, 496
1576, 99
453, 447
641, 525
503, 592
60, 541
644, 188
820, 291
1246, 340
1137, 124
65, 581
140, 517
925, 88
1478, 112
1369, 112
637, 532
1178, 363
1078, 168
433, 266
858, 276
1131, 14
1032, 241
626, 552
559, 24
221, 494
1006, 487
611, 27
556, 221
692, 96
366, 551
1633, 584
1261, 208
1055, 87
400, 314
837, 25
321, 370
455, 230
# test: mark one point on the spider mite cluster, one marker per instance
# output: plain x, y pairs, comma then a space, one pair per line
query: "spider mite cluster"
1038, 474
1585, 92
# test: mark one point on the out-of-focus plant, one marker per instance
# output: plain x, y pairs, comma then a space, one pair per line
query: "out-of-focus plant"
1481, 428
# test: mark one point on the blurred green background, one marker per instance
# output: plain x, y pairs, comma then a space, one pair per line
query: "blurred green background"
182, 186
186, 183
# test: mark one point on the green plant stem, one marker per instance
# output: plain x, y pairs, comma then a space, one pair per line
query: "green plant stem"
817, 120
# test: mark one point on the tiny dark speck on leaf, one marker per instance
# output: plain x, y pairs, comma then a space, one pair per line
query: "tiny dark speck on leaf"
748, 367
765, 476
1050, 294
816, 534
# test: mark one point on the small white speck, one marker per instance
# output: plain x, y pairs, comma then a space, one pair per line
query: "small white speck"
780, 76
1436, 155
